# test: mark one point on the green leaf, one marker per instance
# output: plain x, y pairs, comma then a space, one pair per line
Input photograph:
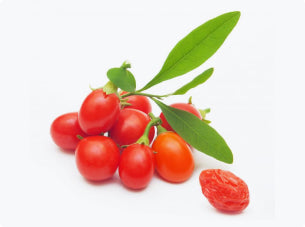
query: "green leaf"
197, 133
194, 49
122, 78
195, 82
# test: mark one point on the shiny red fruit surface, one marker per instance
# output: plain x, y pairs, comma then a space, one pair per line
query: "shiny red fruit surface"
98, 112
64, 131
97, 157
136, 166
130, 126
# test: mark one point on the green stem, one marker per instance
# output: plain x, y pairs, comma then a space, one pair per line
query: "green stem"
126, 65
154, 122
190, 100
145, 94
160, 129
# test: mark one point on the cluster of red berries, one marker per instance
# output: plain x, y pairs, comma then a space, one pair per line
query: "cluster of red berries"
111, 132
98, 156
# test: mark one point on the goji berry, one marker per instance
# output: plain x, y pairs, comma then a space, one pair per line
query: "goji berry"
224, 190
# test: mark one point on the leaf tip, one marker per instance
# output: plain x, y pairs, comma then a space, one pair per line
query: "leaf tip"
230, 159
237, 13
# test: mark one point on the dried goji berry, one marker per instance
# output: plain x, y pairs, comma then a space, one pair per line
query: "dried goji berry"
224, 190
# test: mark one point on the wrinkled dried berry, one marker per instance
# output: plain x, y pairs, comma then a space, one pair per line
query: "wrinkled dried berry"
224, 190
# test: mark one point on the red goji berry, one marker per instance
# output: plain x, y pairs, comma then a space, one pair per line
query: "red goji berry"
224, 190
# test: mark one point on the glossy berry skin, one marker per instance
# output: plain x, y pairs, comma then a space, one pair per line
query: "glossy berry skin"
64, 131
130, 126
98, 112
182, 106
138, 102
136, 166
97, 157
173, 158
224, 190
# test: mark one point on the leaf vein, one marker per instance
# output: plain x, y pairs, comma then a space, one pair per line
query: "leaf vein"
191, 50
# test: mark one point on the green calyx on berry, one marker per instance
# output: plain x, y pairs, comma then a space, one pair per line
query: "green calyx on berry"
110, 88
93, 89
203, 114
124, 102
79, 137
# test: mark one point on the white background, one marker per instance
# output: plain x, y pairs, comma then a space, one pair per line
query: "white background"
50, 51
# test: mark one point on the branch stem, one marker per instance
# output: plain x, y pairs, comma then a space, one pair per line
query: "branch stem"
144, 94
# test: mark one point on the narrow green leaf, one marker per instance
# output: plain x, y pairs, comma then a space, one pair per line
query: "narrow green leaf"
197, 133
194, 49
122, 78
195, 82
